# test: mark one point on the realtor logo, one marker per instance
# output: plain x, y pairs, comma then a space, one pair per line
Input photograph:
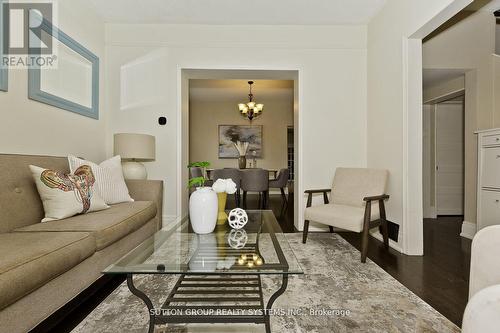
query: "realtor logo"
22, 28
27, 34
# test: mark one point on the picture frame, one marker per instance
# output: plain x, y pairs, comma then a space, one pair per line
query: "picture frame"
229, 134
35, 77
4, 70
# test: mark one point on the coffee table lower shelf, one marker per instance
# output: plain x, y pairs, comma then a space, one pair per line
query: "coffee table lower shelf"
212, 299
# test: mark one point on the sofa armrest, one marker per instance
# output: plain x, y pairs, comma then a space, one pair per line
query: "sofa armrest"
484, 263
148, 190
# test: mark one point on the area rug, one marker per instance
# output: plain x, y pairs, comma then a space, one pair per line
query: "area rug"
337, 293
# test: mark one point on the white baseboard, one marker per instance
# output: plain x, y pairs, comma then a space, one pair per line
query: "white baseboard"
376, 234
468, 229
430, 213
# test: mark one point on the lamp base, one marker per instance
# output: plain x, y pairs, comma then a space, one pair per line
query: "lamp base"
134, 170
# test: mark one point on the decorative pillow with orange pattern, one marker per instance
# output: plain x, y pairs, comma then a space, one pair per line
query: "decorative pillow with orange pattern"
64, 195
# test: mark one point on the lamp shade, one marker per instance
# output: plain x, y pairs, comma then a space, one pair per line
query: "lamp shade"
135, 146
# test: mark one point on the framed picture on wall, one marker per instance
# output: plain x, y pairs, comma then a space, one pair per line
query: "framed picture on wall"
229, 134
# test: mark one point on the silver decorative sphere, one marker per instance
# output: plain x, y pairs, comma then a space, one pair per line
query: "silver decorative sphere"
237, 239
237, 218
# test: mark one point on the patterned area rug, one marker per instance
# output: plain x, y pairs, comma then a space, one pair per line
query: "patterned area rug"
337, 293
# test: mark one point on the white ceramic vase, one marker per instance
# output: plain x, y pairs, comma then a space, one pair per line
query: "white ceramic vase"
203, 206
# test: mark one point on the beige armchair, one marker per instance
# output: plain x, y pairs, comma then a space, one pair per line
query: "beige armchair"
357, 204
481, 313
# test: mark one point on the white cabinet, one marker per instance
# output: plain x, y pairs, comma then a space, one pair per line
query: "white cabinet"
488, 184
490, 208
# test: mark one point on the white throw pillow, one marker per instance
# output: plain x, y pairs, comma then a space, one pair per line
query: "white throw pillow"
110, 183
64, 195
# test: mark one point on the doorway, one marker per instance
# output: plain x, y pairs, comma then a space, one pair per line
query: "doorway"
224, 82
450, 157
443, 156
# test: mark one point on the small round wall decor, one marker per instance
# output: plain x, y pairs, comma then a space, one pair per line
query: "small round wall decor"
237, 218
237, 239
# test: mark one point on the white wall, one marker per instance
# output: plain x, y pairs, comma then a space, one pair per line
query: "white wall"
444, 89
388, 101
332, 88
469, 45
31, 127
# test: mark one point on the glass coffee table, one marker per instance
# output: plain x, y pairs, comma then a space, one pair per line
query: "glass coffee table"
219, 273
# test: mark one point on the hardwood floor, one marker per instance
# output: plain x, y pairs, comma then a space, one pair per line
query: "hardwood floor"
441, 276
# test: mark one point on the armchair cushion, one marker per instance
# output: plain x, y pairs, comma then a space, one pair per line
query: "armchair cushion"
351, 185
341, 216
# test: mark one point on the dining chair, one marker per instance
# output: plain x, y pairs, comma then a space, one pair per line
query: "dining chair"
198, 172
255, 180
230, 173
281, 182
357, 204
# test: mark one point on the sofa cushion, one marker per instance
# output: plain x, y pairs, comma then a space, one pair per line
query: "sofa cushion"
108, 225
30, 259
341, 216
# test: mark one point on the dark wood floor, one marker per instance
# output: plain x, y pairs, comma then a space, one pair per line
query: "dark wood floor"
440, 277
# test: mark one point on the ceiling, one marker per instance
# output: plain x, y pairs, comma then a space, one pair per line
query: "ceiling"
433, 77
242, 12
237, 90
486, 5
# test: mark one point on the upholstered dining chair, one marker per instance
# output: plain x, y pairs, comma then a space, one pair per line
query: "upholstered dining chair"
357, 204
198, 172
233, 174
281, 182
255, 180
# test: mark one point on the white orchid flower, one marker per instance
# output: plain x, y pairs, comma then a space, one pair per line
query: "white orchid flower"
219, 186
224, 185
230, 186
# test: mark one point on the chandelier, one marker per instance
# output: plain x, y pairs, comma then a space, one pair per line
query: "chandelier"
251, 109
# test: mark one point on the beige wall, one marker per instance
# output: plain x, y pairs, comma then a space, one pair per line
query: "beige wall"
31, 127
206, 116
444, 89
469, 45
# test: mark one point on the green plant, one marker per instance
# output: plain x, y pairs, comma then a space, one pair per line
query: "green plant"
198, 181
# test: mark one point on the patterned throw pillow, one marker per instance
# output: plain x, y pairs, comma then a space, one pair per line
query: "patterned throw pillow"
109, 178
64, 195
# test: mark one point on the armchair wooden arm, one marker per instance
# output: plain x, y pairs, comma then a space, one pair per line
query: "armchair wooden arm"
311, 192
377, 197
318, 191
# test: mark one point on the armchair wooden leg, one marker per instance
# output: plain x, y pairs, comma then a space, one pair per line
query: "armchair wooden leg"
331, 228
244, 199
306, 229
366, 232
384, 226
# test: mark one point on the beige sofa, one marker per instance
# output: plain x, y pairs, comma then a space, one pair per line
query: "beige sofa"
45, 265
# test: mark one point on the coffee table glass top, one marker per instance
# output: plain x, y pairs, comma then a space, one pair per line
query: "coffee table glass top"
260, 247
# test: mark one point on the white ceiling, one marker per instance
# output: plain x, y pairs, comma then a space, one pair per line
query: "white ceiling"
232, 12
237, 90
486, 5
433, 77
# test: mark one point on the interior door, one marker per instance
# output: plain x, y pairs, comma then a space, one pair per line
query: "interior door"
450, 158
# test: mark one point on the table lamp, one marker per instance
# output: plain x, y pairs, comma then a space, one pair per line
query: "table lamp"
134, 148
